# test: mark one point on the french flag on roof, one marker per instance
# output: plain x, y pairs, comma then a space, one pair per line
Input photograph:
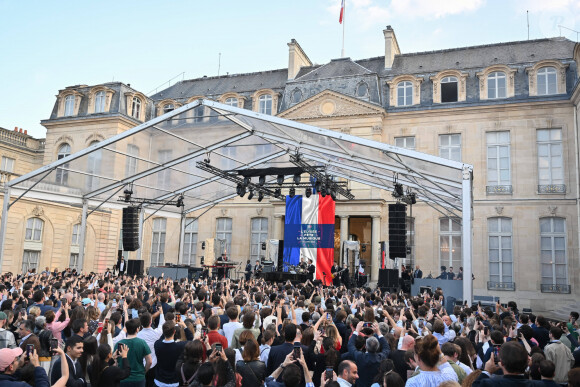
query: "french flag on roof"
341, 12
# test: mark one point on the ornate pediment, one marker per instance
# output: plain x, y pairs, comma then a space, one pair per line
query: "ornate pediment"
328, 104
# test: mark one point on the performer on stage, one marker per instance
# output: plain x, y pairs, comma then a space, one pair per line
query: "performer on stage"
248, 270
311, 269
258, 268
303, 265
334, 270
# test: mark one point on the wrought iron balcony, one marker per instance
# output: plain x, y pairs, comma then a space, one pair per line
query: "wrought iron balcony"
552, 189
492, 285
499, 189
553, 288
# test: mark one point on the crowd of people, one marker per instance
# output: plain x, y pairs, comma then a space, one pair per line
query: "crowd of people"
62, 328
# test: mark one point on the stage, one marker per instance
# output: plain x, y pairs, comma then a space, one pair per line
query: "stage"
280, 276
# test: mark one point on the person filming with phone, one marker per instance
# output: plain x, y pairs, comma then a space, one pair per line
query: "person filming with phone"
73, 349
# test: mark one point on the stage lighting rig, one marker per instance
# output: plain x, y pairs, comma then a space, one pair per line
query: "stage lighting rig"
308, 192
324, 182
179, 202
260, 196
292, 192
296, 178
127, 194
262, 180
251, 195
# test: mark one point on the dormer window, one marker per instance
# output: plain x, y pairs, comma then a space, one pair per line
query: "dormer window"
100, 98
168, 108
449, 89
547, 81
404, 93
69, 105
362, 90
136, 109
496, 85
265, 104
296, 96
231, 102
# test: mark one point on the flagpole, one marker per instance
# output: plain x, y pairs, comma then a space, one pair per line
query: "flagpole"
343, 23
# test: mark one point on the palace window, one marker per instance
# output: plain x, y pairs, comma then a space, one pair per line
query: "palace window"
498, 162
496, 85
450, 243
158, 242
224, 233
296, 96
100, 102
69, 105
265, 104
449, 89
362, 89
62, 171
168, 108
34, 228
75, 235
405, 142
190, 242
164, 175
550, 161
547, 81
7, 164
450, 146
232, 102
131, 163
554, 263
404, 93
500, 253
136, 108
410, 229
30, 260
258, 235
94, 168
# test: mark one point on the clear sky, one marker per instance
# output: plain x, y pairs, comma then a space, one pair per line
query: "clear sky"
48, 45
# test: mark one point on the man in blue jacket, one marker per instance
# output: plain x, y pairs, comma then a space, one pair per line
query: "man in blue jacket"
11, 359
377, 349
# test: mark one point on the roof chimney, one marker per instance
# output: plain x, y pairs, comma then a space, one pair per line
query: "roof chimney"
25, 131
297, 58
16, 129
20, 130
391, 46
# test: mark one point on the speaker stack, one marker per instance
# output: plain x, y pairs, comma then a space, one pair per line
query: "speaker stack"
135, 266
130, 228
397, 230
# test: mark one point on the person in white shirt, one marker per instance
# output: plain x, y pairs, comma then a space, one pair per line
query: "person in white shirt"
231, 326
149, 334
267, 340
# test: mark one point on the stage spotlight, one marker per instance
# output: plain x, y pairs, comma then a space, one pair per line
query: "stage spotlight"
260, 196
262, 180
296, 178
398, 191
317, 186
277, 192
412, 198
280, 179
251, 195
241, 190
323, 191
333, 195
127, 194
308, 192
247, 181
292, 192
179, 202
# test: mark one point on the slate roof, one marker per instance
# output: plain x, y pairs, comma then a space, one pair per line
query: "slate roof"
237, 83
335, 68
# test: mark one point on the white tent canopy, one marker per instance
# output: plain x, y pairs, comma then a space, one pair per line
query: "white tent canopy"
158, 159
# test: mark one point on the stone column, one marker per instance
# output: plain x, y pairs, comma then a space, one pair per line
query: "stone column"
343, 235
278, 227
375, 236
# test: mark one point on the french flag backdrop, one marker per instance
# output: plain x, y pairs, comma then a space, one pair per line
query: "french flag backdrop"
309, 233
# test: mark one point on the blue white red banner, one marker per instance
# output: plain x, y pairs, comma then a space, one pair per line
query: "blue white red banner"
309, 233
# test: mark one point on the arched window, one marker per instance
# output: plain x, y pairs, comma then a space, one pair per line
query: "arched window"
34, 228
501, 261
450, 242
547, 81
362, 89
496, 85
296, 96
94, 168
404, 93
100, 102
136, 109
224, 232
69, 105
62, 171
168, 108
232, 102
449, 89
553, 255
265, 104
75, 241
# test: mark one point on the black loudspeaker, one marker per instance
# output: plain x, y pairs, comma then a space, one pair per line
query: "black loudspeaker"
135, 266
280, 254
131, 228
388, 278
397, 230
